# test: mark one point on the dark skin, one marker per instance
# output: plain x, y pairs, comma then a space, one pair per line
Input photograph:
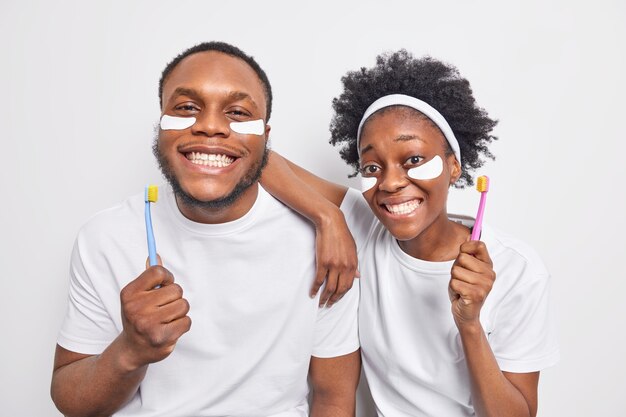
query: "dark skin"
205, 88
393, 142
216, 89
153, 321
336, 261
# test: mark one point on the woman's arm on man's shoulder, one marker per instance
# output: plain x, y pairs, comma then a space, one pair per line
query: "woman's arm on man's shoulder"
318, 200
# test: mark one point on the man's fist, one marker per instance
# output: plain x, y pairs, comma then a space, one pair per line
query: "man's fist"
154, 316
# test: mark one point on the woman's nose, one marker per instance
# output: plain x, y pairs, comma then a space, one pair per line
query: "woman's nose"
393, 180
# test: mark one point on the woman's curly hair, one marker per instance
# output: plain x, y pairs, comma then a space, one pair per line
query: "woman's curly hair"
427, 79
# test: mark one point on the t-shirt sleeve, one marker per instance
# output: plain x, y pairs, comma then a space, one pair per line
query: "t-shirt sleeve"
87, 328
336, 329
359, 216
525, 337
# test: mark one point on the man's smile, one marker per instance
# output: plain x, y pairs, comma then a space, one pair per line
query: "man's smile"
210, 159
210, 156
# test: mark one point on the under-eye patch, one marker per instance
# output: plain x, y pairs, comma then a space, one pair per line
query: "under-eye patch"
176, 123
367, 183
427, 171
253, 127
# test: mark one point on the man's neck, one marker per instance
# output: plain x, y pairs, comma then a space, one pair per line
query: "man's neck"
226, 214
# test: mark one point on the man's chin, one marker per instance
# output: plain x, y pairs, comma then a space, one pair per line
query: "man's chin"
210, 199
203, 196
200, 198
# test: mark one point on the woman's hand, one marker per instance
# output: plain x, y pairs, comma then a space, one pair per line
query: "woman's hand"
336, 260
472, 279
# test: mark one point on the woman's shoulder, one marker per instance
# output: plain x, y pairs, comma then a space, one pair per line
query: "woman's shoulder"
510, 253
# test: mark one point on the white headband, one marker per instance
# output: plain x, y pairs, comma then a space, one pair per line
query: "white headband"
417, 104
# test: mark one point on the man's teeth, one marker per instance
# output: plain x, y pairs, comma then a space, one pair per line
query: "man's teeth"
404, 208
210, 159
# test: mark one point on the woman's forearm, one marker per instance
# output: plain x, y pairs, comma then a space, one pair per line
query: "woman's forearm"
493, 394
314, 198
317, 200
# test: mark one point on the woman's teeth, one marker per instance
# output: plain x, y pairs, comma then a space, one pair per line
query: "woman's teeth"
404, 208
209, 159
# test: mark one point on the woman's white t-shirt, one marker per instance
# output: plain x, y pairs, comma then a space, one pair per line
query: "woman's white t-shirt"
411, 348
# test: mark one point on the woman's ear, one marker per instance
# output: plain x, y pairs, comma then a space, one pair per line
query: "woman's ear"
455, 169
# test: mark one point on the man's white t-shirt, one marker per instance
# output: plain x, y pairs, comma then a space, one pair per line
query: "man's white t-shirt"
411, 348
254, 326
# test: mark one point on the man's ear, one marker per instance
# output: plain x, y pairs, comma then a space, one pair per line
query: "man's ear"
267, 132
455, 169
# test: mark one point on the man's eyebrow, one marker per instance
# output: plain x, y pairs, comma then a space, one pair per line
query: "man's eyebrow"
241, 95
183, 91
233, 95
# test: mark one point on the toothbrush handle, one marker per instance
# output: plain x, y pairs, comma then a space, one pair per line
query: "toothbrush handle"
150, 233
479, 217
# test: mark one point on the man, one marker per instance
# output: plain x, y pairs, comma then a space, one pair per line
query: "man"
234, 259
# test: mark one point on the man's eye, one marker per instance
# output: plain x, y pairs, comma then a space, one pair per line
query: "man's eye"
238, 114
187, 107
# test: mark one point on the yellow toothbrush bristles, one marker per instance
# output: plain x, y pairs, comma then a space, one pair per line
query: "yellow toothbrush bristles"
153, 194
482, 184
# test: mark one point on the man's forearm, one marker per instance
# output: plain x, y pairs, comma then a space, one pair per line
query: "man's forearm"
334, 382
327, 407
96, 385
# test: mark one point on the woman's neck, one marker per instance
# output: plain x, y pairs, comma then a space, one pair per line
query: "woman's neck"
438, 242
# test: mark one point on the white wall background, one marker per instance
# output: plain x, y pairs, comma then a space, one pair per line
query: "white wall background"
79, 101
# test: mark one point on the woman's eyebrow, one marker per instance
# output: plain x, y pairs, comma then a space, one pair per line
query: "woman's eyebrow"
366, 149
406, 138
400, 138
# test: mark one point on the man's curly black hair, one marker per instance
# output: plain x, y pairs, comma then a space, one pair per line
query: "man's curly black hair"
427, 79
227, 49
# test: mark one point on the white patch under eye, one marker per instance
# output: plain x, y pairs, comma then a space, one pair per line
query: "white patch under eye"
176, 123
428, 171
367, 183
253, 127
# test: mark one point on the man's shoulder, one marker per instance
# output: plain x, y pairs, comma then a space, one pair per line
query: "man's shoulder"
270, 206
114, 218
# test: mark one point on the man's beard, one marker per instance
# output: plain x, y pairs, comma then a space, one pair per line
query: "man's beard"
252, 176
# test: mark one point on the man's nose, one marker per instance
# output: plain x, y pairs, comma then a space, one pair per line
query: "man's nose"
211, 124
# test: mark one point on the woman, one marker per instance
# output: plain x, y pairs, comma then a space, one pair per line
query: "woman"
448, 326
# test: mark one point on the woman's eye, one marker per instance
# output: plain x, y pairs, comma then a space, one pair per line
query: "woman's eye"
414, 160
369, 169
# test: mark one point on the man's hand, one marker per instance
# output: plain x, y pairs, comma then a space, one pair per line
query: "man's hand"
472, 279
154, 316
336, 260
